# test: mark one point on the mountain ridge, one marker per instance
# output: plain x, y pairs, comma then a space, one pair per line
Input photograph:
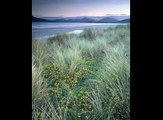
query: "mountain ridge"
124, 21
80, 20
35, 19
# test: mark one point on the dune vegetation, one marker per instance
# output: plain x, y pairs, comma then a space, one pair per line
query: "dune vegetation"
82, 77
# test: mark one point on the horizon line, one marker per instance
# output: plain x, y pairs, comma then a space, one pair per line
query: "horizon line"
85, 15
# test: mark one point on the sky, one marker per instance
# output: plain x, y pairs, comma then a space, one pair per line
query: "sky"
71, 8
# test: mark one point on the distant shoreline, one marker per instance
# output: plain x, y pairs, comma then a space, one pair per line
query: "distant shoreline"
42, 31
76, 32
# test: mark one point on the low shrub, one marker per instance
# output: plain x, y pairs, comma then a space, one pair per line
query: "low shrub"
68, 89
59, 39
88, 34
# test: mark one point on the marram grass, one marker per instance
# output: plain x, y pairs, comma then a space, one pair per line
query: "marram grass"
82, 77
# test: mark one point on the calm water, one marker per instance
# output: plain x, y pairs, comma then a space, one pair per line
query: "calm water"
46, 29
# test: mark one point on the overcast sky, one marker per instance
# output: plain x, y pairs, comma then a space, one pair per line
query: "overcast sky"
69, 8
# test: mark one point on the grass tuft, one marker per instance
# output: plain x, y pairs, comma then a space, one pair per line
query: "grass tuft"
82, 77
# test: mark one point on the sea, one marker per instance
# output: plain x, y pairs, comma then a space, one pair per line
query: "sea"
44, 30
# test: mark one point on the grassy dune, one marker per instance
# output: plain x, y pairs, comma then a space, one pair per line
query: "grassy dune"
82, 77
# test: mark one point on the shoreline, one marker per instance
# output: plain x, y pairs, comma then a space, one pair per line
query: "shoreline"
72, 31
76, 32
59, 29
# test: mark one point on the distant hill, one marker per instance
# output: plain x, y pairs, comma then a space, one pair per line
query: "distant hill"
35, 19
85, 20
108, 20
82, 19
124, 21
120, 17
96, 18
51, 18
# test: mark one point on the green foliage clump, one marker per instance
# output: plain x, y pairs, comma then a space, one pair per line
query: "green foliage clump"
64, 84
59, 39
80, 77
114, 78
88, 34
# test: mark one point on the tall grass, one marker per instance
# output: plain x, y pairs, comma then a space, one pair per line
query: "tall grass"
82, 77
